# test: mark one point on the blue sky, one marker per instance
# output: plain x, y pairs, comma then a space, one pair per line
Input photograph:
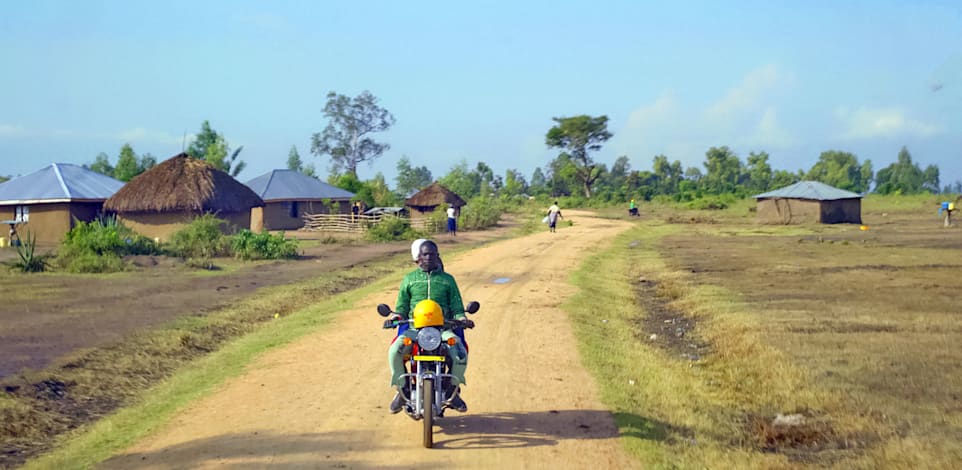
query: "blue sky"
480, 81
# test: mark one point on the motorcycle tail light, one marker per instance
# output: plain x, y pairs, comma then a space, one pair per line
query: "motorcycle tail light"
452, 341
407, 341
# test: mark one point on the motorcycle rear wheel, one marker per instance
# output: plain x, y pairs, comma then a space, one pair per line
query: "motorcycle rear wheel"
428, 400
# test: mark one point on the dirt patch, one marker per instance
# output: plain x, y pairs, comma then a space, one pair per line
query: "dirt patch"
666, 327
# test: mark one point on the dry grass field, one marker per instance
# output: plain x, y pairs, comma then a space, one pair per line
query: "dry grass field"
852, 332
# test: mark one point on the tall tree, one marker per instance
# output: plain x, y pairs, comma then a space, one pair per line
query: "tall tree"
463, 181
514, 183
538, 182
905, 177
212, 147
410, 179
102, 165
839, 169
759, 172
723, 170
295, 163
347, 137
127, 165
577, 136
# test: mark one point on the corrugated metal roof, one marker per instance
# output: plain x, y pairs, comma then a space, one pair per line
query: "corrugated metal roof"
809, 190
290, 185
59, 182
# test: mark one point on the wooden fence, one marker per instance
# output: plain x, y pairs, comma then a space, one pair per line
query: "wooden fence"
349, 223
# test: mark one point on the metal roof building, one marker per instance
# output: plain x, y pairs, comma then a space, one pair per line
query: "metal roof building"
809, 201
288, 195
47, 203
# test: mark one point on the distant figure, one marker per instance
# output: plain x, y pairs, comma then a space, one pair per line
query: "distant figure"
355, 210
948, 208
554, 213
14, 238
452, 220
632, 208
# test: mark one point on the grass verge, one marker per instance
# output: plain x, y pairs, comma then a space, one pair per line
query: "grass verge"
715, 410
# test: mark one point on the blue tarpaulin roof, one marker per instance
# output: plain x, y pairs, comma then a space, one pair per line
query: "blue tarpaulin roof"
809, 190
290, 185
59, 182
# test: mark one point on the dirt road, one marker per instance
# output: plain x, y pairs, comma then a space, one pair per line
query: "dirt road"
531, 403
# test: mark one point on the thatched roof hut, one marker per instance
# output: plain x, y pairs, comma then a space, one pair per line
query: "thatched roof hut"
809, 201
161, 200
429, 198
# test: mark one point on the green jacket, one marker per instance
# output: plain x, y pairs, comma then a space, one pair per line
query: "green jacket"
443, 290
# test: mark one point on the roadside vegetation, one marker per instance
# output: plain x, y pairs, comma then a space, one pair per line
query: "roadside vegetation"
731, 345
186, 358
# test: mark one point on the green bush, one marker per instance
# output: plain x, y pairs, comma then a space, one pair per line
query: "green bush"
249, 245
104, 237
712, 202
202, 238
392, 229
481, 212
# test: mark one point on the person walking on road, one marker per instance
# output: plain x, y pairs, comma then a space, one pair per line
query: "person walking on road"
554, 213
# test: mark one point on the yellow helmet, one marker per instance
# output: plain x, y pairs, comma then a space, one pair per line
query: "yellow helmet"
428, 313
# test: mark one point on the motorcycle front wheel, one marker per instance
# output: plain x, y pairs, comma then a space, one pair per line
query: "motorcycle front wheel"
428, 400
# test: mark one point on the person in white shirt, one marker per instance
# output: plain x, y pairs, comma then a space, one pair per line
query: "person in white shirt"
452, 221
554, 212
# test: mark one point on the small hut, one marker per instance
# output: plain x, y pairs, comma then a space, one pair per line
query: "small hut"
809, 201
289, 194
425, 201
48, 203
165, 198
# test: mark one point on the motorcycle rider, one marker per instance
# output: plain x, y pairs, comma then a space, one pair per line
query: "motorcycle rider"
429, 281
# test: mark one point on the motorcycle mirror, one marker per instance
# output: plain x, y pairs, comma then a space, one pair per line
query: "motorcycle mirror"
383, 310
473, 306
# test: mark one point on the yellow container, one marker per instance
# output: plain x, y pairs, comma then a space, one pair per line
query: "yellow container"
951, 206
3, 242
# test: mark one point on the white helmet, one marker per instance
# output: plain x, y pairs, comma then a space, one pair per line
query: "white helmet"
416, 248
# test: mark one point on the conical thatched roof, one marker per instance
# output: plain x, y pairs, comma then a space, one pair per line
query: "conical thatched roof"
434, 195
183, 184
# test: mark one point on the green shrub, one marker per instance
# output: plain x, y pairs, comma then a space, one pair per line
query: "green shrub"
250, 245
712, 202
202, 238
28, 260
392, 229
104, 237
481, 212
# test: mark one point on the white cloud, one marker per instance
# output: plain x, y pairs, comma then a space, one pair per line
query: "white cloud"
748, 96
867, 123
8, 130
745, 118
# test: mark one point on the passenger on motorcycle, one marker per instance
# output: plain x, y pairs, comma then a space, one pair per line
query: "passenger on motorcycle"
429, 281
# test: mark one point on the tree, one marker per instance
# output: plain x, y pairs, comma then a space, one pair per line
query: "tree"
4, 179
538, 182
127, 165
782, 178
723, 171
577, 136
905, 177
346, 139
294, 163
759, 172
514, 183
147, 161
839, 169
212, 147
410, 179
462, 181
102, 165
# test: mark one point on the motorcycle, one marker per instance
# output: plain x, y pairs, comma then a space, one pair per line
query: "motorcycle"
428, 370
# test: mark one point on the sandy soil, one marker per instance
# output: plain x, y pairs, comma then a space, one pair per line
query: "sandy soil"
531, 402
